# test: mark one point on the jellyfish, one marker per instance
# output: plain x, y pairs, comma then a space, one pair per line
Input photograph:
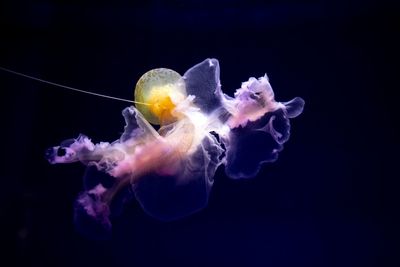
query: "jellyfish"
180, 131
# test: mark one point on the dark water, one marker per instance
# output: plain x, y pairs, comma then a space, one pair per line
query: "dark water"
330, 200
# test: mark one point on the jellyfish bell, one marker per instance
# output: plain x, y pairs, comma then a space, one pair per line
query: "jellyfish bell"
158, 92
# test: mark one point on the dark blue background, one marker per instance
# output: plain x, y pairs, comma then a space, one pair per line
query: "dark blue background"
330, 200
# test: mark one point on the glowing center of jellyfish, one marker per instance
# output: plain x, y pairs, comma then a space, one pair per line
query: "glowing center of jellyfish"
159, 91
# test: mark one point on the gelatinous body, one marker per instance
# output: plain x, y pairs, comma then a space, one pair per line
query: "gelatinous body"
170, 171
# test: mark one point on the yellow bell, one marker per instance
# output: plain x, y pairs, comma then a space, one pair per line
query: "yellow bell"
158, 92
